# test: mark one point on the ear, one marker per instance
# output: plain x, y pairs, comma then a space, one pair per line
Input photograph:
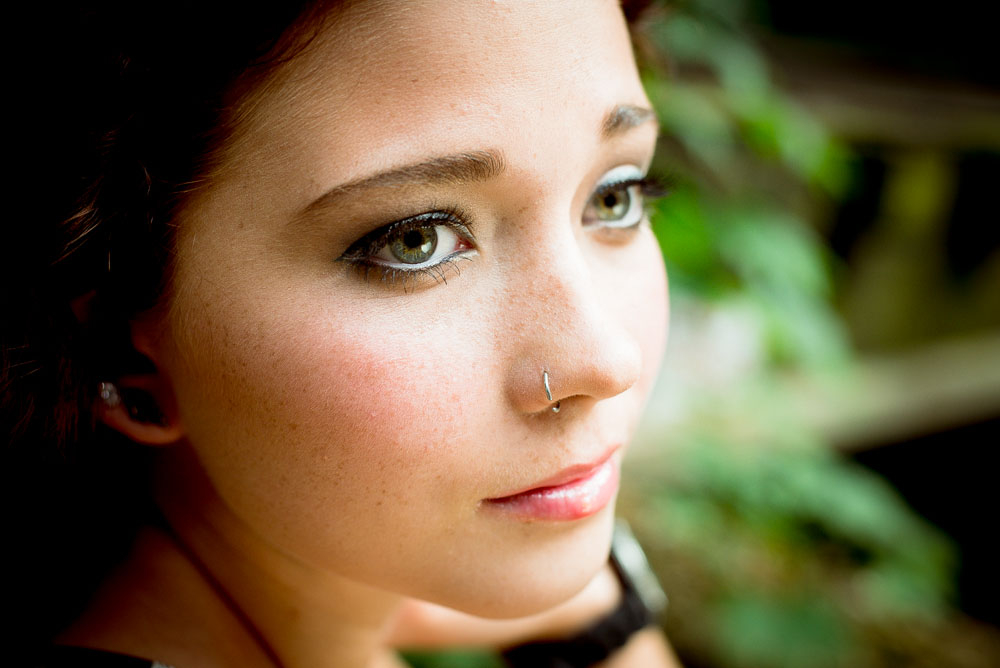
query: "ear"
142, 405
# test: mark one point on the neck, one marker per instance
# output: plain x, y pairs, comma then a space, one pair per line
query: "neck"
298, 614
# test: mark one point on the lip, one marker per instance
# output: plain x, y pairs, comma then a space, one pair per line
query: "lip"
573, 493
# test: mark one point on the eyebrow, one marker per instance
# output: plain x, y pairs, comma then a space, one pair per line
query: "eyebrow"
623, 118
468, 167
457, 169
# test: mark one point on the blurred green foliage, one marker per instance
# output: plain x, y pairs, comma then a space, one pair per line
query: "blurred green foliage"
779, 552
792, 552
733, 147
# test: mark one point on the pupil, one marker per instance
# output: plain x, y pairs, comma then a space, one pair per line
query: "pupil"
413, 239
615, 204
415, 246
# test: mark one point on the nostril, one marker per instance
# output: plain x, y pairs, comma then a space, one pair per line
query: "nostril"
617, 375
613, 363
600, 368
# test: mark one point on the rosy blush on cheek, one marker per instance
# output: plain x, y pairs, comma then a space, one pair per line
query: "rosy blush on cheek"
349, 417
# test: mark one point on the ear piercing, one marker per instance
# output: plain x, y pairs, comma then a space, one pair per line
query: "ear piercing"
548, 392
109, 394
139, 404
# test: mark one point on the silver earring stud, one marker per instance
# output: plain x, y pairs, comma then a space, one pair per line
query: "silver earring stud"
109, 394
548, 392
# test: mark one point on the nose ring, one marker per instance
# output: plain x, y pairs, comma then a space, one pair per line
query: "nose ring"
548, 392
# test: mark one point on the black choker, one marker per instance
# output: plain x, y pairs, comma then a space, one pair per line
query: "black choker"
642, 603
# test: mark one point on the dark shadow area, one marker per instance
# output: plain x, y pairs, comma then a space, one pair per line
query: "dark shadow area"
956, 42
951, 479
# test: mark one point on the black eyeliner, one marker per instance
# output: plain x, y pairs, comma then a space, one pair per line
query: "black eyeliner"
358, 256
649, 186
373, 241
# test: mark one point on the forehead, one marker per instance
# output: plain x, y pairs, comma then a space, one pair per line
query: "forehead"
388, 82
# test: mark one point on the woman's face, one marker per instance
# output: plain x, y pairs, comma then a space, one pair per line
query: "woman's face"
355, 394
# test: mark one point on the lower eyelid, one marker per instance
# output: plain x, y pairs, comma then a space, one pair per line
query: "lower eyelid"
622, 233
410, 279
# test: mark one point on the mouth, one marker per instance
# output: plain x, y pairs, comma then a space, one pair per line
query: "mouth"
573, 493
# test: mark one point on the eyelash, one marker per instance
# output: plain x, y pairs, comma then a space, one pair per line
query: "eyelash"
359, 256
361, 253
649, 188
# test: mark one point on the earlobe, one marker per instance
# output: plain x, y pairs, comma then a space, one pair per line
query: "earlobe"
135, 408
142, 405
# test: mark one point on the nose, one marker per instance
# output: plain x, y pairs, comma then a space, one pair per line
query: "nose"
569, 322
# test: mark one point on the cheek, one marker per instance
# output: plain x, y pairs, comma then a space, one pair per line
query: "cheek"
637, 295
317, 429
655, 321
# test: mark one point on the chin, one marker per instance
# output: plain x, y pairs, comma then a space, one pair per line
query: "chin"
546, 565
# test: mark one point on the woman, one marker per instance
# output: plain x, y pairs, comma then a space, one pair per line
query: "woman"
376, 300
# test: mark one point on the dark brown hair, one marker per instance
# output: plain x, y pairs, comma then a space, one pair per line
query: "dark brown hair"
122, 107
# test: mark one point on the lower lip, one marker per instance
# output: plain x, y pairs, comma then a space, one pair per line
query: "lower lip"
574, 500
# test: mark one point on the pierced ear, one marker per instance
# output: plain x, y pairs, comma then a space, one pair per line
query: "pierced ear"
142, 405
138, 407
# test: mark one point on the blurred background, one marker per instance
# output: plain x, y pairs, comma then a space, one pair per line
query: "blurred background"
815, 481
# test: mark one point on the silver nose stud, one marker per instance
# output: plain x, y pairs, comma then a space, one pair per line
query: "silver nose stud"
548, 392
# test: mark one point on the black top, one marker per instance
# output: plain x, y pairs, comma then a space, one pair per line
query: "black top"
63, 656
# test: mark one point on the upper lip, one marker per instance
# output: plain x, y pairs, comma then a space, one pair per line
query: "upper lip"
566, 475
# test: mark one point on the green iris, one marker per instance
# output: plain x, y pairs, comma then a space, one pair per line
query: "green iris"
613, 205
415, 245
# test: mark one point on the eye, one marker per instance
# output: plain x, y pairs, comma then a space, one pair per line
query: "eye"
412, 247
416, 246
617, 202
